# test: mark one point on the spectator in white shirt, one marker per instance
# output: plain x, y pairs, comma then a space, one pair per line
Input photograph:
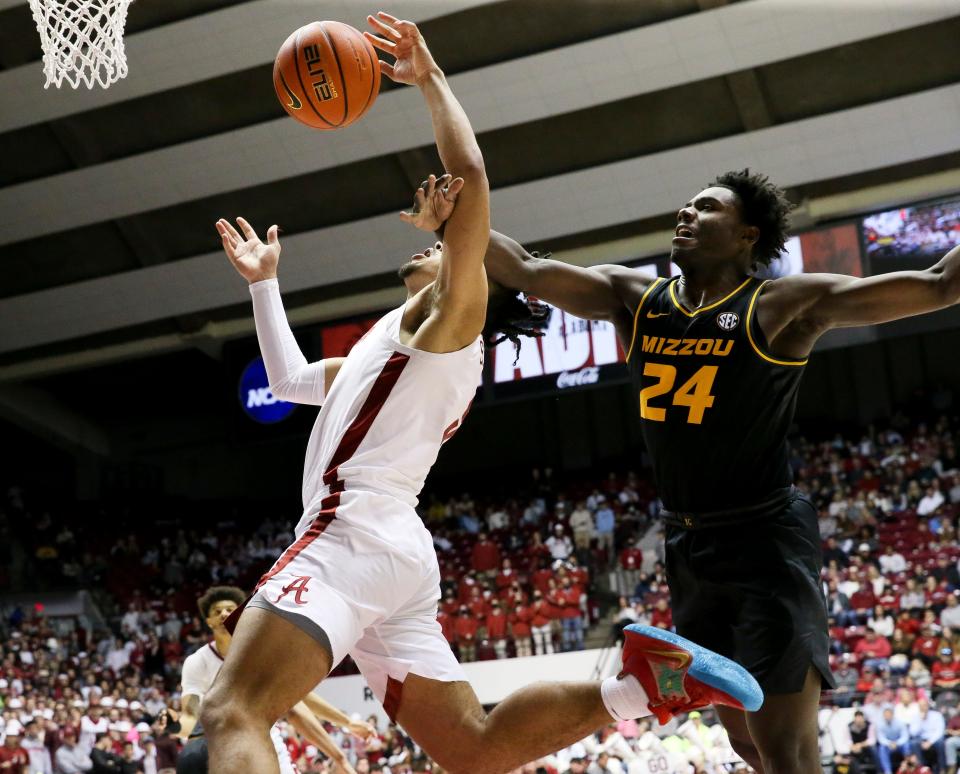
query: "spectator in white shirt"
892, 562
581, 522
71, 758
932, 500
91, 725
559, 545
950, 615
497, 519
912, 597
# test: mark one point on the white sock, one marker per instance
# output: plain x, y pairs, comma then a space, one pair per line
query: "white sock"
624, 699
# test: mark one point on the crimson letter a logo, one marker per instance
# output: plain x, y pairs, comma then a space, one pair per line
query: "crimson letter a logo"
299, 585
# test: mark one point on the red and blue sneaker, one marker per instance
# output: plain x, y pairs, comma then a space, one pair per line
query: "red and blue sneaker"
678, 675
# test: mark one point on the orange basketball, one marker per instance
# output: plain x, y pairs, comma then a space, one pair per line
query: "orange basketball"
326, 75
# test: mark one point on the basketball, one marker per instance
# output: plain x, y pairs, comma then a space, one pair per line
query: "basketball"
326, 75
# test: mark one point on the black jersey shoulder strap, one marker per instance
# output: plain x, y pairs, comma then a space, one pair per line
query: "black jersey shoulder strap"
756, 338
636, 314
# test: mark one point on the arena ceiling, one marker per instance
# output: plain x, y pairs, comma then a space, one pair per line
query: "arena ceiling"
597, 118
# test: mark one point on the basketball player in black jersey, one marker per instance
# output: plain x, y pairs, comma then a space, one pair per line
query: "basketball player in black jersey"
716, 357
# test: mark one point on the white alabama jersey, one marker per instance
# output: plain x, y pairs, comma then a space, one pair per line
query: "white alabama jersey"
388, 412
200, 670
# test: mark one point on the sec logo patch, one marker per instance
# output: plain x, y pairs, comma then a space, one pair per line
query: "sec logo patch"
728, 321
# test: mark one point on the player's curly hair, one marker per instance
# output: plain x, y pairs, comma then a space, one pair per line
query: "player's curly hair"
511, 314
219, 594
763, 205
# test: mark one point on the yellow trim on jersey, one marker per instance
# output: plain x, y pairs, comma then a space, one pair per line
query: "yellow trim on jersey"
636, 315
753, 344
726, 298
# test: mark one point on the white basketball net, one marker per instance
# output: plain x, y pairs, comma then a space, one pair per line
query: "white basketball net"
82, 40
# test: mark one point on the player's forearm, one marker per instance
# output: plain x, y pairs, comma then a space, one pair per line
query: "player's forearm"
583, 292
188, 722
290, 376
326, 711
306, 723
456, 141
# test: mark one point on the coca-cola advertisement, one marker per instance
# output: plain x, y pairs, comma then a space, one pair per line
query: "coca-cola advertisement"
572, 353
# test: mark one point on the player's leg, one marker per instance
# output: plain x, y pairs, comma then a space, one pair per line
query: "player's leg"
662, 674
272, 664
780, 636
735, 722
448, 722
785, 730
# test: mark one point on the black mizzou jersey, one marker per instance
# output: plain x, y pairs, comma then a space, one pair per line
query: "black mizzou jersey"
715, 406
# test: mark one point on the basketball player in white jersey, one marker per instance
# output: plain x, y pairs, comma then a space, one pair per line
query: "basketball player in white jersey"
201, 668
362, 576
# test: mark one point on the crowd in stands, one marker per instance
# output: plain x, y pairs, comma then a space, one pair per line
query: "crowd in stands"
520, 576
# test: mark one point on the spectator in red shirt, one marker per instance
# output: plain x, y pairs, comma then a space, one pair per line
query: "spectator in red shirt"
496, 624
485, 558
541, 617
862, 601
911, 765
446, 622
449, 604
946, 671
479, 605
507, 576
520, 629
662, 615
907, 623
465, 588
13, 758
542, 575
631, 560
568, 597
925, 647
466, 628
537, 551
936, 594
873, 650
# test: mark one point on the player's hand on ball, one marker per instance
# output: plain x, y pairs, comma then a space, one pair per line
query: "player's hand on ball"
433, 202
403, 40
254, 260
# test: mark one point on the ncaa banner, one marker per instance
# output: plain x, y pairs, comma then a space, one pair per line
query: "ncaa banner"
256, 399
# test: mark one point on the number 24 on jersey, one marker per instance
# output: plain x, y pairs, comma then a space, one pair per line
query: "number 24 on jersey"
694, 394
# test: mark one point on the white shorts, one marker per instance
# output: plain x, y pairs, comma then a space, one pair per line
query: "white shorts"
364, 579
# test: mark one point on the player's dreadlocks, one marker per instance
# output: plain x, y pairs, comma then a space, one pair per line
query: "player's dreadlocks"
219, 594
511, 315
765, 206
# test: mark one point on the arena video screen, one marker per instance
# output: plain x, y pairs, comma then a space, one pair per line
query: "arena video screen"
911, 237
572, 353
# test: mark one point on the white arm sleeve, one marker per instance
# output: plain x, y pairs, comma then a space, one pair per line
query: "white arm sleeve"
291, 377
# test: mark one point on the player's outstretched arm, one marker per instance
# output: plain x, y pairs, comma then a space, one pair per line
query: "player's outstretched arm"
291, 377
326, 711
815, 303
302, 719
461, 285
596, 293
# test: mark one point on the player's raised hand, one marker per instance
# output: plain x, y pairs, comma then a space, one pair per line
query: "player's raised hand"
402, 40
254, 260
433, 202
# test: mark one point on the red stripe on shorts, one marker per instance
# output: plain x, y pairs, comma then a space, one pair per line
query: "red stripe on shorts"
391, 702
352, 438
368, 412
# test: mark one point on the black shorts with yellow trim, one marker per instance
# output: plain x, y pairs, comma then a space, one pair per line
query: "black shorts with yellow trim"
751, 592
